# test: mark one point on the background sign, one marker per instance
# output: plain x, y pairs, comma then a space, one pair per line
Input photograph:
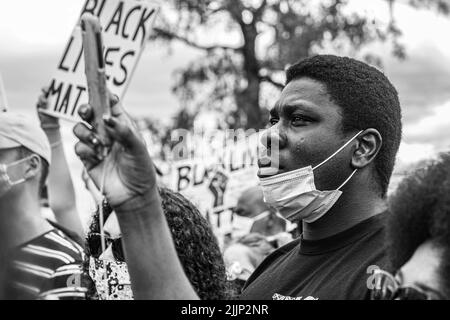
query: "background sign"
215, 181
126, 27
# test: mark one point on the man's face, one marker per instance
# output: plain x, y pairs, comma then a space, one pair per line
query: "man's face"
307, 127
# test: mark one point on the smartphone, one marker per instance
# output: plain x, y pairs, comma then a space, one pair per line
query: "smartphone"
95, 75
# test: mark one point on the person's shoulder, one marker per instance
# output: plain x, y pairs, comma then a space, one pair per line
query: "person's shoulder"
63, 245
70, 235
272, 259
285, 249
377, 230
59, 258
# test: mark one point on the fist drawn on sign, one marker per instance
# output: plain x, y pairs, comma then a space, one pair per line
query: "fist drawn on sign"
217, 186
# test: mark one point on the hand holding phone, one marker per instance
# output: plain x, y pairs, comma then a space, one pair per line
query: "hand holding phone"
95, 75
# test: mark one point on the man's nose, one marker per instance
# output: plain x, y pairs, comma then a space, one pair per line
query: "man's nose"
272, 139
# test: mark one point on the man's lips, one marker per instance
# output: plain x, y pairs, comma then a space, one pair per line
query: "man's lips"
268, 167
268, 172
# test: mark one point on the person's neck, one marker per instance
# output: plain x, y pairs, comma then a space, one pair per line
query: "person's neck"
21, 220
354, 206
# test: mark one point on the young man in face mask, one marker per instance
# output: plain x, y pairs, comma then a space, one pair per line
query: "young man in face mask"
257, 230
253, 215
329, 104
39, 261
331, 148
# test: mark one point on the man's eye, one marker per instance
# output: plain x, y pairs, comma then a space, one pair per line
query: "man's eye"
273, 121
300, 120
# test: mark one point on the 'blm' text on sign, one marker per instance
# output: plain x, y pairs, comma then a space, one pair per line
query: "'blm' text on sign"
126, 27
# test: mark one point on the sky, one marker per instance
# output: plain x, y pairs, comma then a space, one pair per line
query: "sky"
33, 34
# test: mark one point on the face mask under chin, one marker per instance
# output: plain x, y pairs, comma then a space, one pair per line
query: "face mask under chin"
294, 193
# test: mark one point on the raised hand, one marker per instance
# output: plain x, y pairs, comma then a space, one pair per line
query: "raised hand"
47, 122
126, 171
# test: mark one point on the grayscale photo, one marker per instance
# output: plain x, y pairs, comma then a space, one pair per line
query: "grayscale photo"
243, 151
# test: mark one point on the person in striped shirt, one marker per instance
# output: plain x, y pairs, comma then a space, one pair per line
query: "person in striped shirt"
39, 259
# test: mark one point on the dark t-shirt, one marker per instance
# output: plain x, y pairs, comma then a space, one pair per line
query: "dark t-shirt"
333, 268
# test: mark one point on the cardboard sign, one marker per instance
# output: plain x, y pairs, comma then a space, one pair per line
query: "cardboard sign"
3, 100
126, 27
214, 182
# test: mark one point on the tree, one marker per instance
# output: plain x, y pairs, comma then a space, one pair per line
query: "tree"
440, 6
231, 76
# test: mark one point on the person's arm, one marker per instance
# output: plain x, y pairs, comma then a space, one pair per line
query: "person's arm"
131, 190
91, 187
61, 192
155, 270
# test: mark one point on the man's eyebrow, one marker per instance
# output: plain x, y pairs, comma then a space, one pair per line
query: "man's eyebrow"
288, 109
274, 112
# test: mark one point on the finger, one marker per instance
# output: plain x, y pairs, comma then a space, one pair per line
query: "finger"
118, 111
42, 102
116, 106
87, 155
86, 135
121, 132
86, 113
45, 91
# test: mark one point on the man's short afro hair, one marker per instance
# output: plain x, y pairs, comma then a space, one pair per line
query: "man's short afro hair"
420, 211
367, 98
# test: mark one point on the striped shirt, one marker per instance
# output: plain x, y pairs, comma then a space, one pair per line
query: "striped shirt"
47, 267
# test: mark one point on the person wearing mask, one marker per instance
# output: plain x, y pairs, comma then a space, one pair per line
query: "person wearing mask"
39, 259
418, 237
335, 133
257, 230
253, 215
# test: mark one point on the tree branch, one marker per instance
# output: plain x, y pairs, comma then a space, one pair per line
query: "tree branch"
271, 81
173, 36
219, 9
260, 10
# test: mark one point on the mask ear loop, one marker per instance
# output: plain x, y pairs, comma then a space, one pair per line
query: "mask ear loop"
347, 180
338, 150
5, 169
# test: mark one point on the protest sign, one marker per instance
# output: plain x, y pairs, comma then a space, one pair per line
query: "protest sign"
126, 27
3, 100
214, 180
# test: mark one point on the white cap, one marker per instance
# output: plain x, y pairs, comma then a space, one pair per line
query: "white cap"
17, 130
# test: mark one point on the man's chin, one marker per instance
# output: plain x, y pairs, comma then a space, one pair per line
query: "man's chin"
266, 172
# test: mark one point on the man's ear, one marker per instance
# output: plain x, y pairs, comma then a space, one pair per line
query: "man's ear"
33, 166
368, 146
